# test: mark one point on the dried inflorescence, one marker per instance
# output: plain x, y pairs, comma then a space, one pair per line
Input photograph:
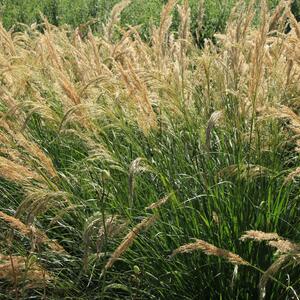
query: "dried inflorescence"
32, 232
128, 240
285, 246
159, 202
210, 249
288, 252
19, 269
293, 175
260, 236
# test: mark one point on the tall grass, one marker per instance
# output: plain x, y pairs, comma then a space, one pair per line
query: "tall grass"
103, 136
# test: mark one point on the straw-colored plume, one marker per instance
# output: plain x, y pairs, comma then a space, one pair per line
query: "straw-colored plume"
284, 112
39, 199
259, 236
101, 228
184, 30
285, 246
269, 273
213, 121
139, 165
246, 171
159, 203
210, 249
277, 14
294, 23
200, 17
165, 20
23, 152
128, 240
16, 172
293, 175
16, 269
288, 251
31, 232
115, 17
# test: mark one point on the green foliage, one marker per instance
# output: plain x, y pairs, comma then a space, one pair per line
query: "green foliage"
296, 9
143, 13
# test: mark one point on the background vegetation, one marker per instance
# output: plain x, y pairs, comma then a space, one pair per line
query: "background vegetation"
137, 170
139, 12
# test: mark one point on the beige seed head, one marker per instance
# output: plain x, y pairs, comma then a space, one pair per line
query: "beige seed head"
128, 240
259, 236
285, 246
31, 232
14, 268
210, 249
159, 203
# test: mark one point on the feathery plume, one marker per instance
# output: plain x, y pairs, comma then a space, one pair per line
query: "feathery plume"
259, 236
115, 17
272, 270
291, 176
14, 268
12, 171
285, 246
210, 249
159, 203
31, 232
128, 240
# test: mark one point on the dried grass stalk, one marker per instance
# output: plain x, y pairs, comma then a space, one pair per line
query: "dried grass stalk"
210, 249
128, 240
294, 23
292, 175
285, 246
165, 20
184, 30
159, 203
16, 142
139, 165
115, 17
20, 268
246, 171
272, 270
214, 120
284, 112
13, 171
200, 17
259, 236
279, 10
95, 228
31, 232
16, 224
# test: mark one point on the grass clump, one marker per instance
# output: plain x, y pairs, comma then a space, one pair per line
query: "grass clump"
116, 152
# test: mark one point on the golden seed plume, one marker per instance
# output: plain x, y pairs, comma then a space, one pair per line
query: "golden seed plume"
115, 17
128, 240
31, 232
259, 236
16, 172
18, 268
291, 176
210, 249
272, 270
159, 203
285, 246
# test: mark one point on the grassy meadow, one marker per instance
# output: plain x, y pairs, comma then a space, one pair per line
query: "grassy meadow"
136, 168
